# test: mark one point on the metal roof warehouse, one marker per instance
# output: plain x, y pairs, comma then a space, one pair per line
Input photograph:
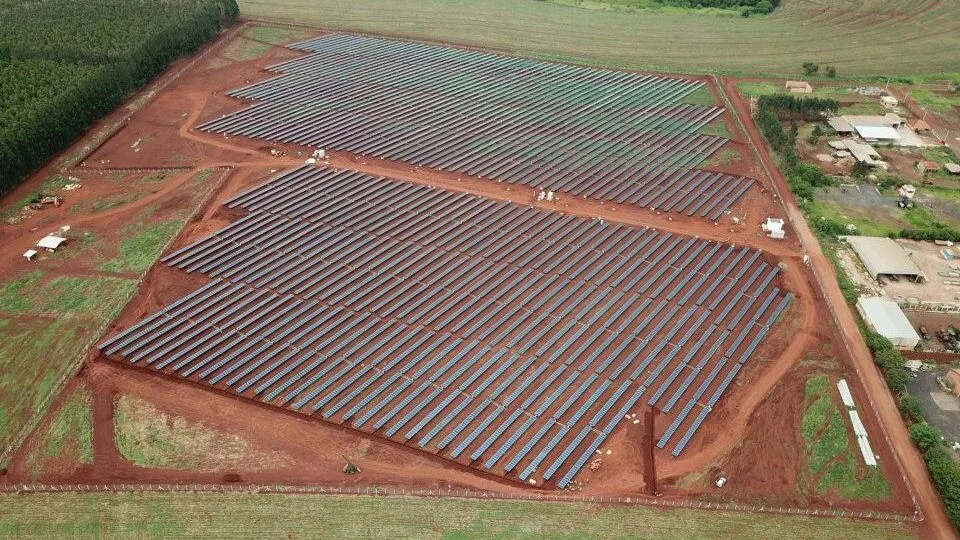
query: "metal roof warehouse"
886, 318
884, 257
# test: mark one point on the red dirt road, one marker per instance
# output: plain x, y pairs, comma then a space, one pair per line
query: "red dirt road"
881, 400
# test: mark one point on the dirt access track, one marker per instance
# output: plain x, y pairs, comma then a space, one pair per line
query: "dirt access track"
763, 404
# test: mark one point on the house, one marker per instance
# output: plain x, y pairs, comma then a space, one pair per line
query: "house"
952, 168
920, 126
889, 101
30, 254
925, 166
907, 191
876, 128
798, 87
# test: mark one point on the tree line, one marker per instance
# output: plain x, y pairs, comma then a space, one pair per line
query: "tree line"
66, 63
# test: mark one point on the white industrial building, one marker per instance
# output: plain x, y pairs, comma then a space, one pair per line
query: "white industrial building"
877, 133
885, 317
884, 258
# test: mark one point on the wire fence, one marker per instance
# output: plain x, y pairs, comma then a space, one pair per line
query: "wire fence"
376, 491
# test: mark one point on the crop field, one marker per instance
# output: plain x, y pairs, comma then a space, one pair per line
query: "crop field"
858, 37
606, 135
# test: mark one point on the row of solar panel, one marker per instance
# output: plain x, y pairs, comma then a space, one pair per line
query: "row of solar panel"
421, 346
594, 133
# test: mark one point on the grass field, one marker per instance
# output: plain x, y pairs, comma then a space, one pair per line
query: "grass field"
155, 515
148, 437
834, 463
858, 37
69, 436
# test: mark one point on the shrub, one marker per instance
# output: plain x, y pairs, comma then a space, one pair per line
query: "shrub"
925, 436
946, 476
860, 170
878, 343
910, 408
810, 68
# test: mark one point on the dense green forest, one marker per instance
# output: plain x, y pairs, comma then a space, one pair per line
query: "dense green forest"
65, 63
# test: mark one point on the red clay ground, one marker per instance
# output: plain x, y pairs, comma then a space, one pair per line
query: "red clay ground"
739, 436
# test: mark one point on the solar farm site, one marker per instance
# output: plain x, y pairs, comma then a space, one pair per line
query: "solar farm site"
416, 298
508, 338
605, 135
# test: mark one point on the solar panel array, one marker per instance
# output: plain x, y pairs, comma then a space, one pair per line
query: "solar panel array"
594, 133
504, 337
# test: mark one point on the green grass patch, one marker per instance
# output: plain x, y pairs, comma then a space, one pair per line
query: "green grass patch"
841, 477
940, 154
724, 157
248, 515
70, 434
201, 177
277, 36
943, 193
701, 96
717, 128
33, 357
832, 442
148, 437
635, 40
101, 297
14, 297
246, 49
154, 178
834, 464
936, 102
648, 6
922, 218
757, 89
863, 107
142, 244
49, 187
869, 225
106, 203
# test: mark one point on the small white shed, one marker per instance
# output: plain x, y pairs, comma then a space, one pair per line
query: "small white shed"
51, 242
